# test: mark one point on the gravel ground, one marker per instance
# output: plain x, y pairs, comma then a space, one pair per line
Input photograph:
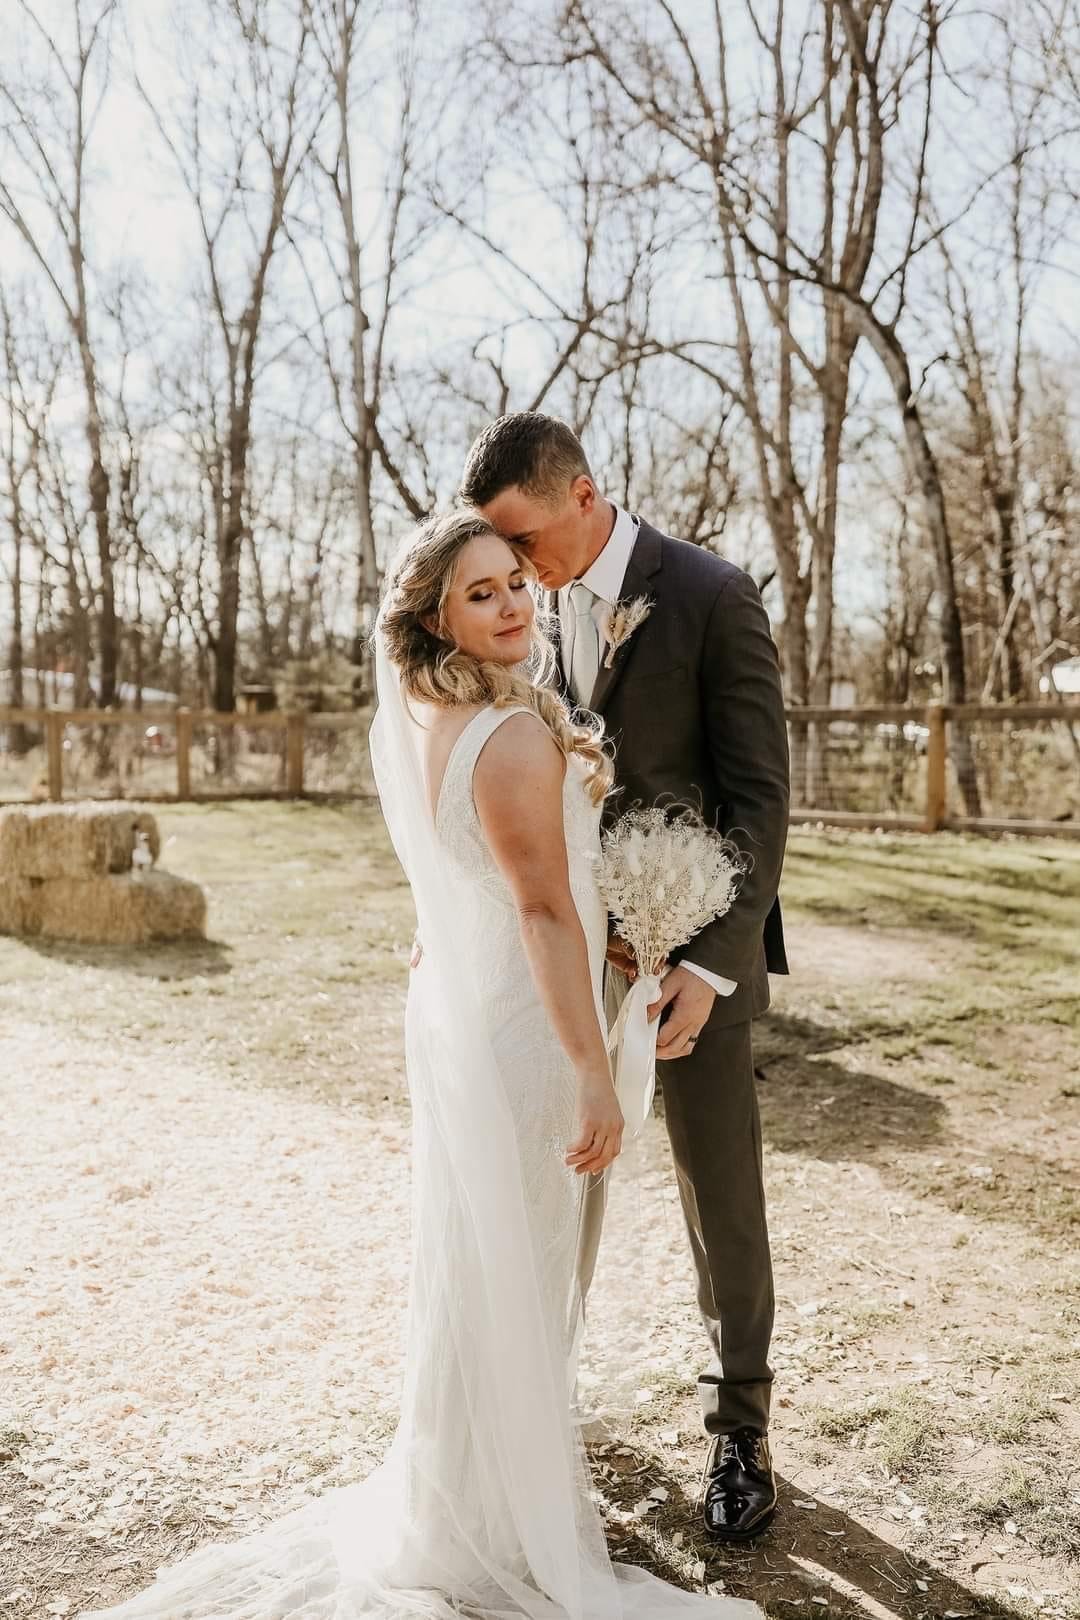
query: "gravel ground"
190, 1272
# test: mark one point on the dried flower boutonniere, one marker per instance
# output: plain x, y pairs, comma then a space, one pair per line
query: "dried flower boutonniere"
620, 622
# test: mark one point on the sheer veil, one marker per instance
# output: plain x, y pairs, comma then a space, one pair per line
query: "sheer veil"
481, 1508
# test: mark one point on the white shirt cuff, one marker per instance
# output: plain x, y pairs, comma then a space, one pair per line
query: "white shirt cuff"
723, 987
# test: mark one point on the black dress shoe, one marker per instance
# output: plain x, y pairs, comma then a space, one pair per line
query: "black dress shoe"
740, 1491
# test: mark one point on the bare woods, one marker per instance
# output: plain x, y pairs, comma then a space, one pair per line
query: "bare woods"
803, 275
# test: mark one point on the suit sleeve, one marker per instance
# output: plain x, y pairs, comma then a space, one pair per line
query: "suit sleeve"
746, 736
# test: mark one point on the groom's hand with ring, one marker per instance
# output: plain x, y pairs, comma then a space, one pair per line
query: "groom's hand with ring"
690, 1000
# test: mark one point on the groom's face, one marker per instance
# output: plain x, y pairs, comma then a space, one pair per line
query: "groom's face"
556, 535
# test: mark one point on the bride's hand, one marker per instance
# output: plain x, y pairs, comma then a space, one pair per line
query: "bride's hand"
621, 956
598, 1136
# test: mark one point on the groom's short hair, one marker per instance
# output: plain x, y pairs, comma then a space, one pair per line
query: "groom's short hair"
538, 453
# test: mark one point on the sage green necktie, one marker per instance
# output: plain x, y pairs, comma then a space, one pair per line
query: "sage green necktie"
585, 649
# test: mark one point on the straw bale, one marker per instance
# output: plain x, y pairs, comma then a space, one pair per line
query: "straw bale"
20, 905
122, 909
73, 840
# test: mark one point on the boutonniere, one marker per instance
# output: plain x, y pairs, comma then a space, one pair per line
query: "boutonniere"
620, 622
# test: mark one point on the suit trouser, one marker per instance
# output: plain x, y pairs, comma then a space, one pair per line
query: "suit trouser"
711, 1111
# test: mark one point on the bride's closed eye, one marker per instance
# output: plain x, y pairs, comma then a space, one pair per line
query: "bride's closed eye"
485, 596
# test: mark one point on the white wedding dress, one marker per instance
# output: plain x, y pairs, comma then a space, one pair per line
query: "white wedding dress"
482, 1508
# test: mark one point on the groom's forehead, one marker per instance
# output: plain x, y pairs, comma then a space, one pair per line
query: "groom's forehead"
515, 514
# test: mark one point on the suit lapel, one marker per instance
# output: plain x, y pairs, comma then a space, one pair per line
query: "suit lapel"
639, 580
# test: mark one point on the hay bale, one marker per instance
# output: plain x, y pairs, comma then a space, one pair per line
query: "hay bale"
122, 909
20, 905
73, 840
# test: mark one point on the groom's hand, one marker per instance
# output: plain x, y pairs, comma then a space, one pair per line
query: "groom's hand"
691, 1001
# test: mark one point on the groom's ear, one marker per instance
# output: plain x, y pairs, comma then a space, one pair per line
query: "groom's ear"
584, 494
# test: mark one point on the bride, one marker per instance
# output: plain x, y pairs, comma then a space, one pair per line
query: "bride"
492, 796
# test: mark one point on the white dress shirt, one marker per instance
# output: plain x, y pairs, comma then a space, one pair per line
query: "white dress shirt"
605, 579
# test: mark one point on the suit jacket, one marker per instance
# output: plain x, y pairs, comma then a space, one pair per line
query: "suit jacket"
694, 707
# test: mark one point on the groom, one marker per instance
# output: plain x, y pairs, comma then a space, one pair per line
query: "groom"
693, 704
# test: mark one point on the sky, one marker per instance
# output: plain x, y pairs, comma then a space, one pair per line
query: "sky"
139, 211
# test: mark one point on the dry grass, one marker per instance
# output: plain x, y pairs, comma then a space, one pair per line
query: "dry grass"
922, 1137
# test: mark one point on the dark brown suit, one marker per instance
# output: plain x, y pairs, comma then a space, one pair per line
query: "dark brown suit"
694, 707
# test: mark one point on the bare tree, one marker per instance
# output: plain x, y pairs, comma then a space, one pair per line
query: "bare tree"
30, 366
365, 259
791, 348
47, 134
240, 138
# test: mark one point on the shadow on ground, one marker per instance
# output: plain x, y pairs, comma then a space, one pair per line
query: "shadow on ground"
817, 1107
176, 959
814, 1105
811, 1555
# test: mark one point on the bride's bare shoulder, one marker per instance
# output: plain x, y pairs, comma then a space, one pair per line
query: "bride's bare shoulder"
520, 754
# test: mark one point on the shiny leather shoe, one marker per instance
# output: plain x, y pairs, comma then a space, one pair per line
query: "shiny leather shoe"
739, 1488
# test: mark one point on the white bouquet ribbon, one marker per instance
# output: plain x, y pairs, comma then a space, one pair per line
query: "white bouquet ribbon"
632, 1041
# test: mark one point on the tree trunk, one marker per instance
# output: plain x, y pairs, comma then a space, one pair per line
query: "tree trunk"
99, 507
18, 741
230, 547
924, 466
1012, 680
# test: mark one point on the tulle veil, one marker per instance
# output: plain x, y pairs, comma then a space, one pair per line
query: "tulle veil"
481, 1508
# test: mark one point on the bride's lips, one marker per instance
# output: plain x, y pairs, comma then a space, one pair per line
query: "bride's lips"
515, 631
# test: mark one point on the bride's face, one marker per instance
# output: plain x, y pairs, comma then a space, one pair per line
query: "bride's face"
490, 609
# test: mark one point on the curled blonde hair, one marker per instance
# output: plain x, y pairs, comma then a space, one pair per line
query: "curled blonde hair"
434, 670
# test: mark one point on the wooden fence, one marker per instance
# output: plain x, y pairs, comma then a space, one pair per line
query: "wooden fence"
1022, 756
881, 766
182, 724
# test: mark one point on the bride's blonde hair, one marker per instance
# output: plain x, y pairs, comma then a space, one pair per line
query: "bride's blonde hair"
434, 670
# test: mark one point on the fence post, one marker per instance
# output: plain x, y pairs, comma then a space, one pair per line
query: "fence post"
54, 747
935, 767
294, 754
183, 753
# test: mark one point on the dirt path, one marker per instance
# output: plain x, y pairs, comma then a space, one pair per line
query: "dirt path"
204, 1262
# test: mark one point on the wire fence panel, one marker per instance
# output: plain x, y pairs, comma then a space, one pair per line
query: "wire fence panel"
859, 766
115, 762
235, 760
336, 756
1026, 772
23, 768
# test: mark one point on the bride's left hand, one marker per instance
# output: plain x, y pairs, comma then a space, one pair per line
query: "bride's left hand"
621, 956
598, 1137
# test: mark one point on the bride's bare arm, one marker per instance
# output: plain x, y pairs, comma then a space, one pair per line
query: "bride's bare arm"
518, 790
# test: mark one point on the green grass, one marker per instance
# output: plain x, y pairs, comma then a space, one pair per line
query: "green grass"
995, 895
903, 1428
